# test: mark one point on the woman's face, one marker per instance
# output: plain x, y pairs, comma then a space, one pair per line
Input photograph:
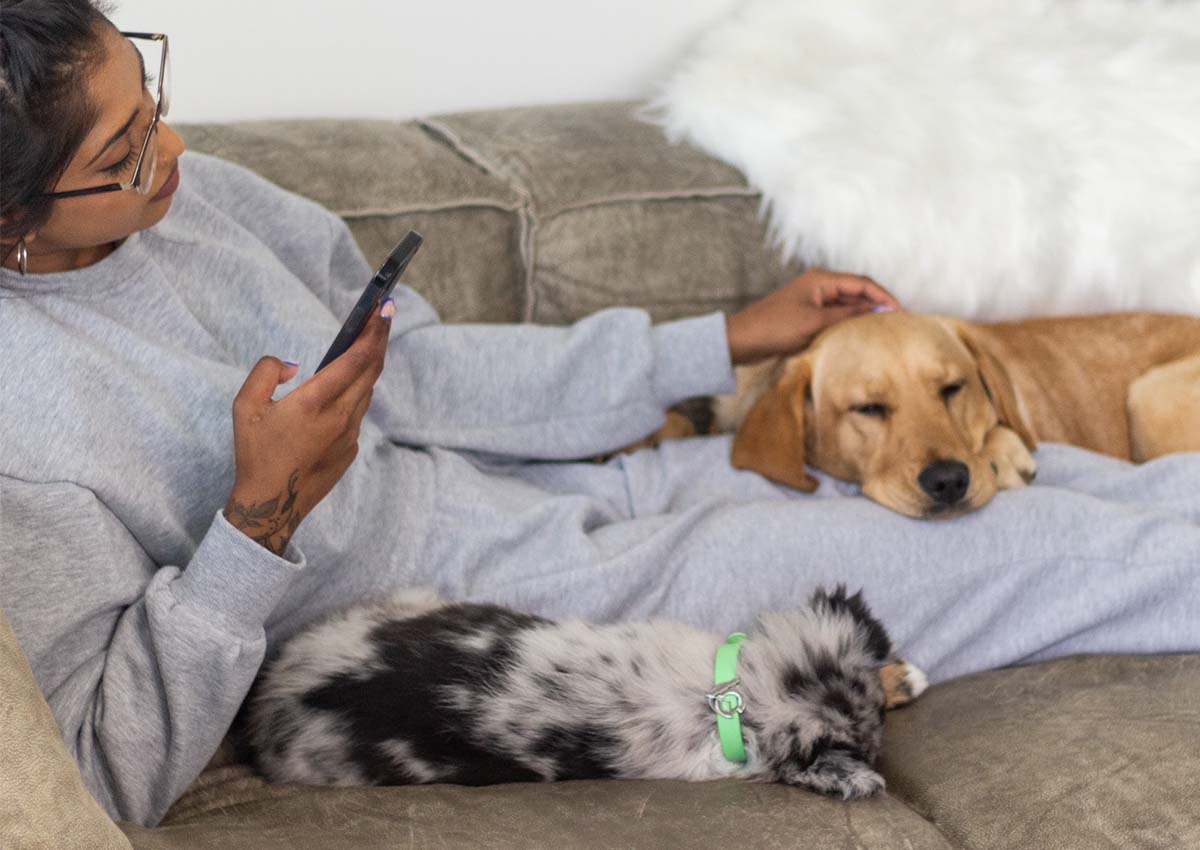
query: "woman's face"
83, 230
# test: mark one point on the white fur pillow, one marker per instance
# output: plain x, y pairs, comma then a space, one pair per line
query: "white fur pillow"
985, 158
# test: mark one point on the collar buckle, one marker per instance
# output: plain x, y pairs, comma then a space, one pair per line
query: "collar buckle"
726, 701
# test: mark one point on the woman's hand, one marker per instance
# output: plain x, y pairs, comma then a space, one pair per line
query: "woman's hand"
290, 453
787, 319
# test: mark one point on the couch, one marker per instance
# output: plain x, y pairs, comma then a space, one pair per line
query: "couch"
544, 215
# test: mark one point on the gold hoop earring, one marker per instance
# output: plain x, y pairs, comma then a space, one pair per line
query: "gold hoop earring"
22, 256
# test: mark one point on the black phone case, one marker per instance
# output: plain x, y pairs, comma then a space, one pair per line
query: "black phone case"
378, 288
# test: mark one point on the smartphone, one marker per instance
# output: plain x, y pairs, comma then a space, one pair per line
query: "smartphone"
378, 288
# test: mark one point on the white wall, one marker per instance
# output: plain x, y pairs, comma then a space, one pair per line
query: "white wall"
236, 59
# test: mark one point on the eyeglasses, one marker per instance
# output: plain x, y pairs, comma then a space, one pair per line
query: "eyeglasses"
143, 172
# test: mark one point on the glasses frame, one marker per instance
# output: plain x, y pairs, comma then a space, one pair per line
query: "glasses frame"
158, 113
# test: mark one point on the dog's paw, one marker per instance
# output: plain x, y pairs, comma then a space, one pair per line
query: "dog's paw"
902, 683
837, 774
1012, 463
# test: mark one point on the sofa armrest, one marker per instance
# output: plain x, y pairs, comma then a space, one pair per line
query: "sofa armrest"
43, 802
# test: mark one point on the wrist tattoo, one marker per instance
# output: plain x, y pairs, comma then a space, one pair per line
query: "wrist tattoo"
270, 524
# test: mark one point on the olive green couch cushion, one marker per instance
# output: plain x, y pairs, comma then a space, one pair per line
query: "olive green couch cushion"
538, 214
614, 214
1092, 753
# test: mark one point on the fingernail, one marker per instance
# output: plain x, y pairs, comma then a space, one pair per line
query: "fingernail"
882, 308
291, 362
389, 309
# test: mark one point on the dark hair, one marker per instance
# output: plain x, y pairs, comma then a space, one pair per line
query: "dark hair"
46, 47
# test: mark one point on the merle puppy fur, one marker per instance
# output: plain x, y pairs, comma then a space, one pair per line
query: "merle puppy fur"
416, 690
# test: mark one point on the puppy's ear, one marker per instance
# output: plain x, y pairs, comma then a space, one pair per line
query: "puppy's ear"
770, 439
997, 382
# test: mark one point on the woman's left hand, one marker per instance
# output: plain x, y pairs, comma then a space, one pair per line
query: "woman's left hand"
787, 319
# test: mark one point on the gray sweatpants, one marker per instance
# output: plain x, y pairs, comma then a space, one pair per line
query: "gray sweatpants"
1098, 556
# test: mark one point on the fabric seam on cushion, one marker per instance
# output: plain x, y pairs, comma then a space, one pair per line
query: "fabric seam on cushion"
528, 251
464, 203
441, 133
664, 195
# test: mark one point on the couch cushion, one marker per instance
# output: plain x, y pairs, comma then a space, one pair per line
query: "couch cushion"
232, 809
542, 213
42, 799
383, 178
615, 214
1084, 752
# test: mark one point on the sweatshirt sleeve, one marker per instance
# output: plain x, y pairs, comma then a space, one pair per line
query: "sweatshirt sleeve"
528, 391
144, 667
551, 393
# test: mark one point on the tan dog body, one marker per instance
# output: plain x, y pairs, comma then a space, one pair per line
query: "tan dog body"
933, 415
1077, 379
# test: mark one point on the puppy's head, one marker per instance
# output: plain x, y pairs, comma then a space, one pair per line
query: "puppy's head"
899, 402
818, 696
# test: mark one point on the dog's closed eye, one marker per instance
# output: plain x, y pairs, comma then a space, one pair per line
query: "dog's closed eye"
879, 411
951, 390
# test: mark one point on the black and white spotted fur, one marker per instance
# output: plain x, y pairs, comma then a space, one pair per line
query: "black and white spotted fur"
416, 690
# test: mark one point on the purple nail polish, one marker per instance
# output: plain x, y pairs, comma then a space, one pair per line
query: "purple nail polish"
291, 362
388, 310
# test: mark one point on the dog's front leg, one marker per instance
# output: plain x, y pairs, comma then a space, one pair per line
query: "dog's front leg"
902, 683
1011, 461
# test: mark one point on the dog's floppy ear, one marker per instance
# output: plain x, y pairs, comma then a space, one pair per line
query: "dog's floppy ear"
997, 383
770, 439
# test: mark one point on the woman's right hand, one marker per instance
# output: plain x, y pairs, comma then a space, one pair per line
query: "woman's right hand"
289, 453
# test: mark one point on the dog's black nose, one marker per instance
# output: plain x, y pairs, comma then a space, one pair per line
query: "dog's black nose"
945, 480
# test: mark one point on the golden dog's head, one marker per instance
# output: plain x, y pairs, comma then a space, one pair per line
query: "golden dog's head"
900, 402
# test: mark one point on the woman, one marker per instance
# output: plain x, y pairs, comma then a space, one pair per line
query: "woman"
148, 569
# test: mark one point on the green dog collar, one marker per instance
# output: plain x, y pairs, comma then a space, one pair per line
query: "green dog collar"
726, 702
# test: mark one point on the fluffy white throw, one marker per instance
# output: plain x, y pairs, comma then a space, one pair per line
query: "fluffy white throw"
989, 159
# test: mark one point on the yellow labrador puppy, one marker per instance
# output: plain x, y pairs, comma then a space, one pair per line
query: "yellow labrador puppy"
933, 415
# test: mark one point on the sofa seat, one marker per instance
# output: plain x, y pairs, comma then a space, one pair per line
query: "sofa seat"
231, 809
1082, 753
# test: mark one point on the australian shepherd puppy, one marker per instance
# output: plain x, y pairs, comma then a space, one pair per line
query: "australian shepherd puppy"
414, 689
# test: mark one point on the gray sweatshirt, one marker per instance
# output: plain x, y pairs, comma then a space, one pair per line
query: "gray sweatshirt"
144, 614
